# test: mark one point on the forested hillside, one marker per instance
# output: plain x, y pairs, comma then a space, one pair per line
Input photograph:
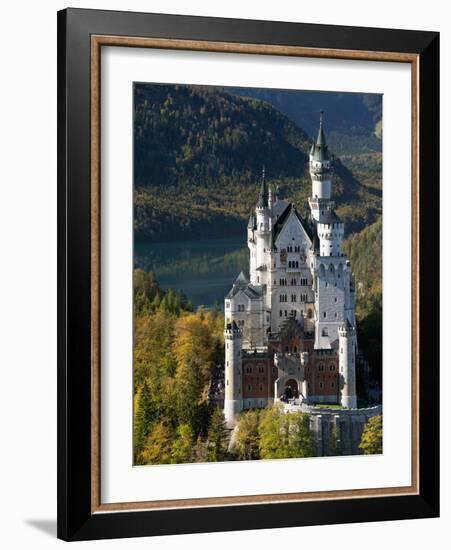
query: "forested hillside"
198, 154
175, 353
354, 120
365, 252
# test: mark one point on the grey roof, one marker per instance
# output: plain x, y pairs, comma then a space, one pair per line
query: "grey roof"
330, 217
241, 279
241, 284
319, 149
263, 196
253, 292
278, 225
279, 207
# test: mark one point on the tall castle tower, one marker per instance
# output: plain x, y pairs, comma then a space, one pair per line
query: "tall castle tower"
329, 228
346, 357
233, 395
263, 231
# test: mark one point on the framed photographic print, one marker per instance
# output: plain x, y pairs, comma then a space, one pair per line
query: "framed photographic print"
248, 274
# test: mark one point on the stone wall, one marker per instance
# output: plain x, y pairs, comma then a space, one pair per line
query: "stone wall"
337, 431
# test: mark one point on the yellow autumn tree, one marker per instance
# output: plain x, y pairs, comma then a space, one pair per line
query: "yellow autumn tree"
194, 342
371, 442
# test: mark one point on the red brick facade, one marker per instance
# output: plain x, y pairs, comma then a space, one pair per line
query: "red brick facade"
321, 372
259, 375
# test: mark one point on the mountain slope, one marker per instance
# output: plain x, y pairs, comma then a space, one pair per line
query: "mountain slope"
353, 120
198, 153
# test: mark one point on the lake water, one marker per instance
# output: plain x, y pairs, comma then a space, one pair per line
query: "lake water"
203, 269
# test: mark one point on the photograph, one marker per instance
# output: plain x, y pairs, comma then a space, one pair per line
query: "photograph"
257, 273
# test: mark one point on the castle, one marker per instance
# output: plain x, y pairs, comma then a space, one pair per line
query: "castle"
290, 329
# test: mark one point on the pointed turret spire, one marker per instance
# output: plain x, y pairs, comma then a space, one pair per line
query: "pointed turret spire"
263, 196
321, 139
241, 279
319, 150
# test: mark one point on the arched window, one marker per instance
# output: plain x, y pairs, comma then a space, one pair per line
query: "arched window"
309, 313
325, 332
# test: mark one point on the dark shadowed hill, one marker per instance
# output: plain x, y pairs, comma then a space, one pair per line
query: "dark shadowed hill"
354, 121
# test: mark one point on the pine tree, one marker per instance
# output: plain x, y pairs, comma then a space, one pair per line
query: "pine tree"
177, 306
217, 437
143, 418
156, 302
182, 449
371, 441
189, 384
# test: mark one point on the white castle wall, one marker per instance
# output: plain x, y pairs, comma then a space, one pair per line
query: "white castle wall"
233, 401
330, 237
321, 181
250, 316
346, 361
330, 298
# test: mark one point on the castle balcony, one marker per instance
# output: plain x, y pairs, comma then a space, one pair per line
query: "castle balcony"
321, 169
321, 176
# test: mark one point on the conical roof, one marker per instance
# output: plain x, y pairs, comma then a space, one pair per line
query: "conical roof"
319, 150
263, 196
241, 279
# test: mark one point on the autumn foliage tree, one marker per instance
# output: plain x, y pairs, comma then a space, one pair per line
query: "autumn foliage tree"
144, 416
158, 446
285, 435
246, 443
371, 441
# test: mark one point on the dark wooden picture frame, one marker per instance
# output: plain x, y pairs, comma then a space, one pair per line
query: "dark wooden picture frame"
81, 34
